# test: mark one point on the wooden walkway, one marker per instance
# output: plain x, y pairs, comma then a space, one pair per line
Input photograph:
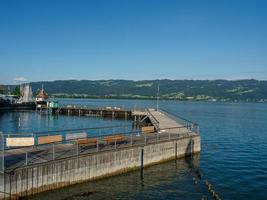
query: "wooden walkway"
164, 123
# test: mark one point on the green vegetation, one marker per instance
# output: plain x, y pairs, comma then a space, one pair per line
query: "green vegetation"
249, 90
16, 91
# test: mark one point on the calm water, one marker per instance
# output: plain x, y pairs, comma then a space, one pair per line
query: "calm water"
233, 157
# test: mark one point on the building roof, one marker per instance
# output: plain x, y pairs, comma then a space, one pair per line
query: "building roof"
42, 94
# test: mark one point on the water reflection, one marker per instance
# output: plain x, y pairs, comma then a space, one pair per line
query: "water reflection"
31, 121
171, 180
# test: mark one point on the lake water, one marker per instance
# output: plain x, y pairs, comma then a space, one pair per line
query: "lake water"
233, 156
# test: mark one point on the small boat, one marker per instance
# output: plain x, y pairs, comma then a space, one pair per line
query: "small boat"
24, 102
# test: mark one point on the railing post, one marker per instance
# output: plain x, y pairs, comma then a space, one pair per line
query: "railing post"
77, 147
3, 150
26, 158
157, 137
115, 142
97, 144
145, 140
169, 135
53, 146
131, 139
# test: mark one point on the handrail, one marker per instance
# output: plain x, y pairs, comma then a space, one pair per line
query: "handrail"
187, 123
176, 116
94, 136
132, 138
62, 130
156, 122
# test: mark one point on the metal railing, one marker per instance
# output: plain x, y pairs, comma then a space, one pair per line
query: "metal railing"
193, 126
17, 157
114, 108
153, 120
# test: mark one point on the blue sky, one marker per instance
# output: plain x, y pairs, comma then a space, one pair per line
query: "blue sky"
132, 39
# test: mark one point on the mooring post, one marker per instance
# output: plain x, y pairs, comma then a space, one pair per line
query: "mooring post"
115, 142
145, 140
142, 159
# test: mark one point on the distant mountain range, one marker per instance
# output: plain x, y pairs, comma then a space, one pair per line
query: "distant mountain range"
248, 90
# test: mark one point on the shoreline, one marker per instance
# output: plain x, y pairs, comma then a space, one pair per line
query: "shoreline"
161, 99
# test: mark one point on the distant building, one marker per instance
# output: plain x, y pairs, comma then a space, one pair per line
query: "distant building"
42, 100
42, 96
2, 89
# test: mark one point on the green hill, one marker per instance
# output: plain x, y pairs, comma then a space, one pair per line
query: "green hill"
208, 90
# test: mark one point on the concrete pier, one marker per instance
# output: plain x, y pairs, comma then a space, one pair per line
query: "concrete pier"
51, 175
95, 112
170, 140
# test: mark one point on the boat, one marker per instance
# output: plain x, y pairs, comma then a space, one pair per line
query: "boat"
24, 102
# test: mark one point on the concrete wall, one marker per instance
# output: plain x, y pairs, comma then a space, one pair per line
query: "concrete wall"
38, 178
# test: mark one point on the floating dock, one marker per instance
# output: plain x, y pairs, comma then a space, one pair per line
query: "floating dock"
55, 161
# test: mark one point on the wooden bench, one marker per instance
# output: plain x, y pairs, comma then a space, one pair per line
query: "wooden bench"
113, 138
148, 129
86, 141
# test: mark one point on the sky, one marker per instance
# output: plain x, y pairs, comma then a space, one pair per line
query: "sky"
42, 40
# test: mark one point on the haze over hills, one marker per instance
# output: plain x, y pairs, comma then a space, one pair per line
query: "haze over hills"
208, 90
